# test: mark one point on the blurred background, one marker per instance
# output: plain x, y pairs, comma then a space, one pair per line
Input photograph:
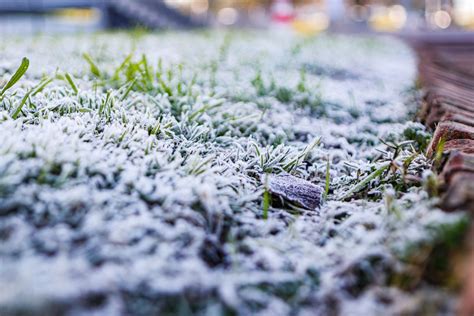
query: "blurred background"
301, 16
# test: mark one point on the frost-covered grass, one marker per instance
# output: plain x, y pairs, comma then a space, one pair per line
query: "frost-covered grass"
131, 177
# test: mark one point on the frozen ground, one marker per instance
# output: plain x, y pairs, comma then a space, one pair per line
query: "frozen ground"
133, 185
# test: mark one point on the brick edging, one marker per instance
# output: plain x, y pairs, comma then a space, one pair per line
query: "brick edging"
446, 72
446, 69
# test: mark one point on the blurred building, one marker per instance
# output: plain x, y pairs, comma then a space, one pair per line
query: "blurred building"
304, 16
83, 15
380, 15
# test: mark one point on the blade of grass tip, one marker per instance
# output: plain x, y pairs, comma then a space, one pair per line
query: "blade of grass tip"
166, 88
295, 210
129, 88
328, 179
104, 103
257, 150
266, 198
147, 74
301, 157
407, 162
388, 144
25, 63
122, 66
41, 85
94, 69
406, 142
200, 167
315, 143
205, 108
439, 153
359, 186
71, 83
20, 106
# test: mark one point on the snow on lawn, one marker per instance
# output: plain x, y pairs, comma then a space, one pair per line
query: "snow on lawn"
131, 176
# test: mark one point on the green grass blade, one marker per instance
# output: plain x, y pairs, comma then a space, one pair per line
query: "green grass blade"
103, 105
40, 87
71, 83
25, 63
35, 90
266, 199
20, 106
129, 88
309, 148
328, 179
122, 66
359, 186
94, 69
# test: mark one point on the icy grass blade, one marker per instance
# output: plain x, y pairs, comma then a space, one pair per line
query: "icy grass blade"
106, 104
407, 162
200, 167
20, 106
94, 69
266, 198
125, 63
148, 78
41, 85
37, 89
71, 83
302, 157
359, 186
328, 179
25, 63
129, 88
205, 108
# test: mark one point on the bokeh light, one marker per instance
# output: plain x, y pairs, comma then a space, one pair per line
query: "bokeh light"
442, 19
227, 16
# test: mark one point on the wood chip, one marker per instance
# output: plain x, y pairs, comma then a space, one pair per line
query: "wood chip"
295, 190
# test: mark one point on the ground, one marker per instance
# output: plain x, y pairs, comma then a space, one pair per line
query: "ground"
133, 167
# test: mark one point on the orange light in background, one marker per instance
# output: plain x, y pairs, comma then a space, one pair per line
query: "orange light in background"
388, 19
311, 24
199, 6
464, 13
79, 15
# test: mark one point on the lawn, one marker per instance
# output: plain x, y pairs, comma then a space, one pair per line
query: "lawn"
135, 167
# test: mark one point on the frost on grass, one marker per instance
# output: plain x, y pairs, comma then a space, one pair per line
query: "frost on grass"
131, 178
